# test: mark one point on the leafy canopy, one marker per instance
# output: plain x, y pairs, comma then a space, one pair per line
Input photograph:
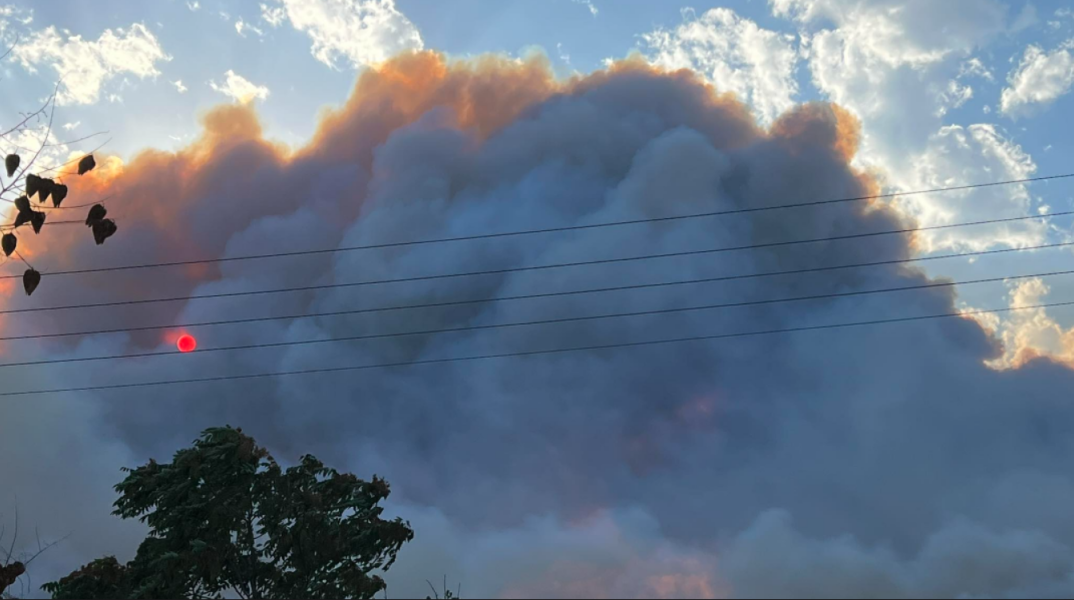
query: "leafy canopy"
225, 518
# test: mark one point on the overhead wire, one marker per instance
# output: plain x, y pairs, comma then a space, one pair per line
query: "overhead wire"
538, 352
548, 266
532, 296
507, 270
543, 322
485, 236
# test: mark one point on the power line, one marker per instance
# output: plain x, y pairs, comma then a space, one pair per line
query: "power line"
604, 261
485, 236
533, 296
456, 359
560, 320
12, 227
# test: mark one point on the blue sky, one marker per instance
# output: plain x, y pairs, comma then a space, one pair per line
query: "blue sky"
909, 431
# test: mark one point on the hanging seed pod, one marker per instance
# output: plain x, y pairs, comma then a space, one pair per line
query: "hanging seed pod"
95, 214
25, 215
37, 220
30, 280
12, 163
9, 242
45, 189
33, 185
86, 164
59, 192
103, 229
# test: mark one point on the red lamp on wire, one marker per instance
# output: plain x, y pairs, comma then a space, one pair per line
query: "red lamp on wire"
186, 343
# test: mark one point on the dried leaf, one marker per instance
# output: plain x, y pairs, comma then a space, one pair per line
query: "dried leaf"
59, 192
43, 192
95, 214
25, 214
12, 163
9, 242
30, 280
86, 164
103, 229
37, 220
33, 185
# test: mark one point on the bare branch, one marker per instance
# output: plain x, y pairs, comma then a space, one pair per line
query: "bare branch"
74, 160
78, 140
48, 131
14, 536
11, 48
44, 549
29, 116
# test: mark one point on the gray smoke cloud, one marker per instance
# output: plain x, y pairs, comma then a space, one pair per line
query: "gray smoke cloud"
881, 461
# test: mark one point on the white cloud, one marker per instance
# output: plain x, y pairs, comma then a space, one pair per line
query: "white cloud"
1039, 79
178, 83
957, 156
954, 96
71, 126
28, 140
241, 27
193, 6
735, 55
975, 68
239, 88
274, 16
1028, 332
589, 4
901, 66
355, 32
86, 66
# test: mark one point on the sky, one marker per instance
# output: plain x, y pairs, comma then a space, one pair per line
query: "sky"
911, 459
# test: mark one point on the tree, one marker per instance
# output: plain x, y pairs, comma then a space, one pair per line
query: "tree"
225, 518
22, 185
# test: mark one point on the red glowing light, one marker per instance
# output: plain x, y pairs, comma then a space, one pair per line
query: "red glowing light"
187, 343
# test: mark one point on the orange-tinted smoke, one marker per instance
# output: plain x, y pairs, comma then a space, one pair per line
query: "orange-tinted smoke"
163, 194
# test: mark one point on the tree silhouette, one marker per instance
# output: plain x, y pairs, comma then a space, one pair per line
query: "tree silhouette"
24, 181
224, 518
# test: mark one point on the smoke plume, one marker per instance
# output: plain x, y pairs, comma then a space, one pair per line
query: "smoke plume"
880, 461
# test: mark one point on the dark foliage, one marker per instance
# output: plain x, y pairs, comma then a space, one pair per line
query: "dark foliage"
12, 163
101, 579
103, 229
86, 164
224, 518
9, 243
37, 219
30, 280
59, 192
96, 214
